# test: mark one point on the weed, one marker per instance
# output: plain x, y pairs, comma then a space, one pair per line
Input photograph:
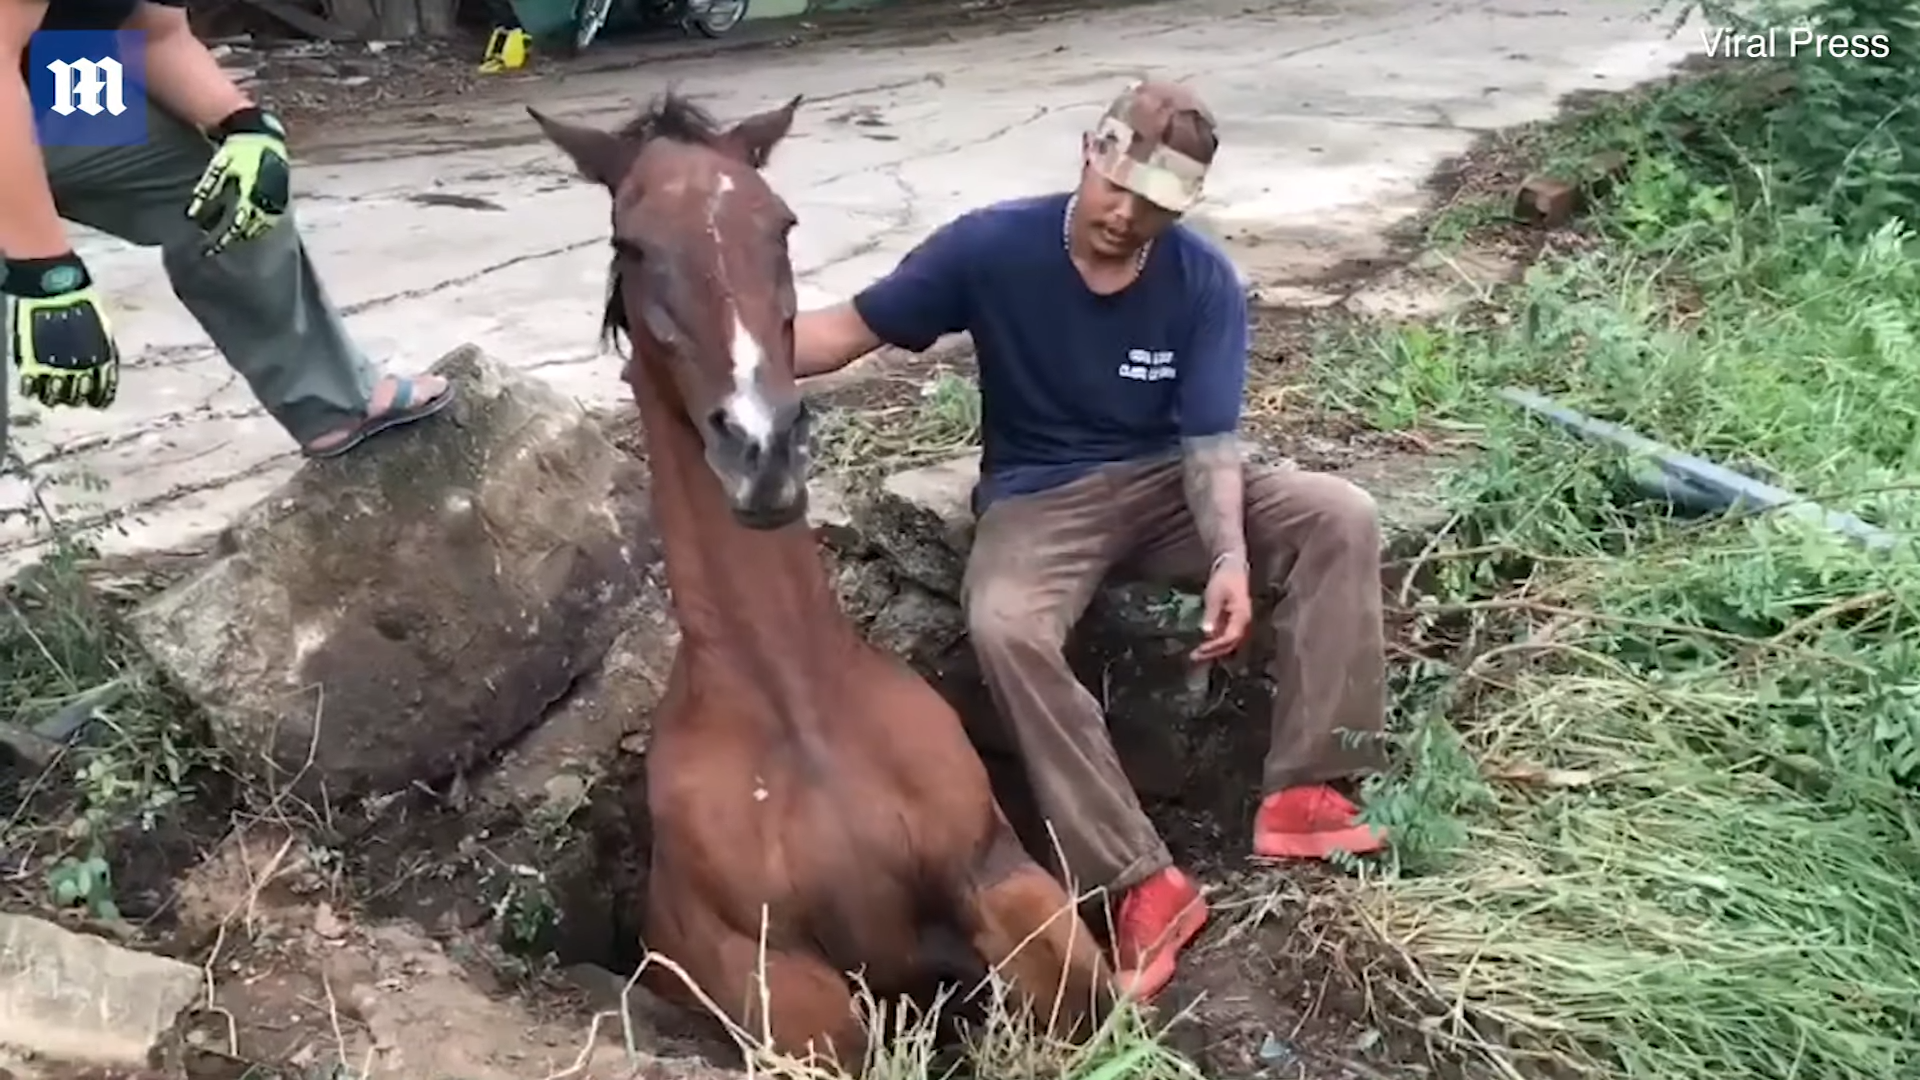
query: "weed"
526, 908
69, 670
942, 422
1463, 217
1658, 820
1008, 1043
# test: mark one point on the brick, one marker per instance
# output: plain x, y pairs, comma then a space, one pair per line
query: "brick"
1546, 201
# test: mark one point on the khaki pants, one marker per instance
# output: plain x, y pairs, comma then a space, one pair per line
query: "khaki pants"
1035, 564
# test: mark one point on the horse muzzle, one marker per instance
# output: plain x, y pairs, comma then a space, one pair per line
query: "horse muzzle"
770, 503
765, 478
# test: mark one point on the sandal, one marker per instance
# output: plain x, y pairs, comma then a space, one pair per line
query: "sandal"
400, 411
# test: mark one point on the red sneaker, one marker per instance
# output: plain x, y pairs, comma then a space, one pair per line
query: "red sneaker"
1311, 823
1157, 918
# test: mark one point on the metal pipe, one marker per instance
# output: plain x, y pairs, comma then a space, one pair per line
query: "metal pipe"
1698, 480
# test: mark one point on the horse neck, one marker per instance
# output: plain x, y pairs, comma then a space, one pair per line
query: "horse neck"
749, 602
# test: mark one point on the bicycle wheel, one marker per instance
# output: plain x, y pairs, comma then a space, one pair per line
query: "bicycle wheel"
716, 17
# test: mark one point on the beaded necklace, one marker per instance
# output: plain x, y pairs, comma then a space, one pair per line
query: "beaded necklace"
1066, 236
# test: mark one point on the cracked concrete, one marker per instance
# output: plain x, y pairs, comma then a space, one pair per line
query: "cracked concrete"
1333, 112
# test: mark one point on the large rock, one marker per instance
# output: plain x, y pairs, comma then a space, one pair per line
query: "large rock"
72, 998
399, 614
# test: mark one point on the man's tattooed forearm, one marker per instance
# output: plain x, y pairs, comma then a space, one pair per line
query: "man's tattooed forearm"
1212, 473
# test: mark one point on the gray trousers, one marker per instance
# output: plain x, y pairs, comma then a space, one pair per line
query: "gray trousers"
260, 300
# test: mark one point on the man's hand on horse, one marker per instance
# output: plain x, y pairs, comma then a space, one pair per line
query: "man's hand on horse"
246, 188
1228, 609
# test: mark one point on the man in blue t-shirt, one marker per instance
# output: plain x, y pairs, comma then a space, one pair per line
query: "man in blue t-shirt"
1112, 346
210, 187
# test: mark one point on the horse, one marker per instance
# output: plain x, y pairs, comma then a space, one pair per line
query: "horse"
817, 808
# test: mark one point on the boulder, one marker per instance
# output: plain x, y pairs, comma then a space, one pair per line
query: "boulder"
78, 999
398, 615
610, 709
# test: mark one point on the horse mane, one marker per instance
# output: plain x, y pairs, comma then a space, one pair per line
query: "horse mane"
613, 320
668, 116
672, 116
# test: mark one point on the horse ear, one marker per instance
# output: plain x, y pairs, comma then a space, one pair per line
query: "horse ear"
601, 156
755, 137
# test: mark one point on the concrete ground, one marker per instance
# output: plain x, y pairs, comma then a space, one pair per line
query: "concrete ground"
1333, 113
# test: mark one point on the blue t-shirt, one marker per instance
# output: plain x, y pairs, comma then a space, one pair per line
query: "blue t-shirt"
1071, 380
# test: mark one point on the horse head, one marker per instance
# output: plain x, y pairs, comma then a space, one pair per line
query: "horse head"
702, 286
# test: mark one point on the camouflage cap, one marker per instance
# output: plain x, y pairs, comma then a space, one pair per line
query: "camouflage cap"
1156, 140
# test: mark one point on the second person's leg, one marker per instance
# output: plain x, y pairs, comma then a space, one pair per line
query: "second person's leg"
260, 300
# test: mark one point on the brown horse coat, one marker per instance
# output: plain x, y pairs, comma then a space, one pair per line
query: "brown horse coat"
817, 809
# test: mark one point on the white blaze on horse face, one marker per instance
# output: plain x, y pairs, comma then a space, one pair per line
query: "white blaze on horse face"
747, 403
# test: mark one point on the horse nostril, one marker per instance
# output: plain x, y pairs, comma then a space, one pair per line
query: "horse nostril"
728, 430
800, 438
794, 423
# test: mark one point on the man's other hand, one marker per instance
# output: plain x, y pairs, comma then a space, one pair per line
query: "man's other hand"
248, 185
1227, 614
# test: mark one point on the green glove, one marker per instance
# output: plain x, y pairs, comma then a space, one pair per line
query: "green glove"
58, 334
247, 186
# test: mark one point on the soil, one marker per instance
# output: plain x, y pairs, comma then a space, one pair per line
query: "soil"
419, 935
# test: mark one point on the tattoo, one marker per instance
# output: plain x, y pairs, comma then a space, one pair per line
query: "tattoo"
1216, 492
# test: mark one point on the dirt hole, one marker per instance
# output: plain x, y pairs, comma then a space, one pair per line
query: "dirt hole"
1249, 1011
1258, 997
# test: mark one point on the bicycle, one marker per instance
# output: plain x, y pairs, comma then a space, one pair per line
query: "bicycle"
708, 18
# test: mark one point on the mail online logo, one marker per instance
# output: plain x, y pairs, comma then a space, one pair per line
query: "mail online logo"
89, 87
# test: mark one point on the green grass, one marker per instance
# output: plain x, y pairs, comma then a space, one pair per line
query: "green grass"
866, 443
1128, 1045
1656, 798
64, 650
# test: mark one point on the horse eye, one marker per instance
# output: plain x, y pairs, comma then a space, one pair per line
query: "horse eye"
660, 324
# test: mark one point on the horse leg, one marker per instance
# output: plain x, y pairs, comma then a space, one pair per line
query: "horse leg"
795, 1004
1026, 927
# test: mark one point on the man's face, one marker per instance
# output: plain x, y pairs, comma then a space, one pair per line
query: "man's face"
1118, 222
